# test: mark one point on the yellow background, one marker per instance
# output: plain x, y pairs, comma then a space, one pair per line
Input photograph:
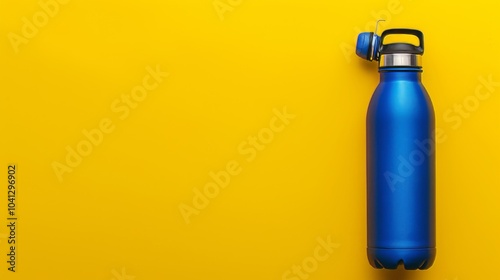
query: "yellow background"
116, 216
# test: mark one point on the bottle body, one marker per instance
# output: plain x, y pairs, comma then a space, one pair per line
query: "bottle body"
401, 172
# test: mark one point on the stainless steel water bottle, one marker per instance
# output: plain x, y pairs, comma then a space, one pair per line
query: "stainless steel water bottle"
400, 156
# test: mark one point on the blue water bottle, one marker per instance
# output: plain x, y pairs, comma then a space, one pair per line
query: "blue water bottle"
400, 156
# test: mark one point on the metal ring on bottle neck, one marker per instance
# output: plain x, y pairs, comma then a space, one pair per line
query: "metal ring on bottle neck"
400, 59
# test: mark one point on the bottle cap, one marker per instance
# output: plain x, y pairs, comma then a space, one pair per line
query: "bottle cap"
401, 54
367, 46
370, 46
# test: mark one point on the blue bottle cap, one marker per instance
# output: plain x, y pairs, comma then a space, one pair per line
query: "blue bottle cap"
367, 46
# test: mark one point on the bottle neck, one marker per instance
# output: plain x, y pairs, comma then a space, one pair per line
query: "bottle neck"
400, 73
400, 60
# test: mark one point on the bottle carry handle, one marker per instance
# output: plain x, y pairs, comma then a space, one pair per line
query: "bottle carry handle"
406, 31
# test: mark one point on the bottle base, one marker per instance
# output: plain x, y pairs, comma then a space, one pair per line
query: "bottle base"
411, 259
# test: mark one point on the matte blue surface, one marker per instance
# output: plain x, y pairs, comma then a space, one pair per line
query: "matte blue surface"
401, 172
